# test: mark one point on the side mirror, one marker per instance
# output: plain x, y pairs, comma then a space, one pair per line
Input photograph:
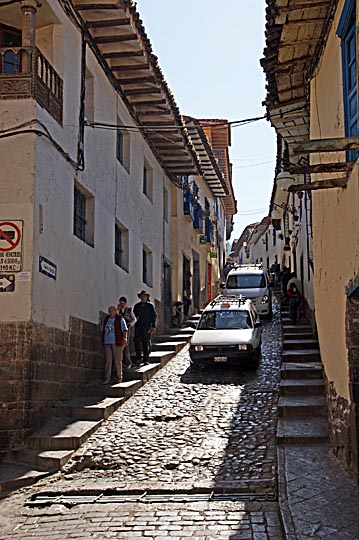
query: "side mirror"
193, 325
257, 324
222, 286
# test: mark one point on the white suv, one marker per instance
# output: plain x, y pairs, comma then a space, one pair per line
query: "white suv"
253, 282
229, 332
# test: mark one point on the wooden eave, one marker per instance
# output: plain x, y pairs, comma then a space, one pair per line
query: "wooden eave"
294, 31
218, 133
117, 32
211, 171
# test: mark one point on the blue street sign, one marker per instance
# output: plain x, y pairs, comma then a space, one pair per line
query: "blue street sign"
47, 267
7, 283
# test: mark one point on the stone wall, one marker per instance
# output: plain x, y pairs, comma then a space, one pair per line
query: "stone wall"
40, 365
339, 425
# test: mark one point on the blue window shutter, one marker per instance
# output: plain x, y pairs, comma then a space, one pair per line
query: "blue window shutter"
347, 32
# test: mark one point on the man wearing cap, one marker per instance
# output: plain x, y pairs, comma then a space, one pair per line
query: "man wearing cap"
145, 326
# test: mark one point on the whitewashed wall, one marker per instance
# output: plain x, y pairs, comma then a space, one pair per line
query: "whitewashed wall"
87, 278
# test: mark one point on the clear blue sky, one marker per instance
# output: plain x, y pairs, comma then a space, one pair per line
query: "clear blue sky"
209, 52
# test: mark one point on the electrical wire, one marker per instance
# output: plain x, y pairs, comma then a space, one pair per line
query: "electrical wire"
9, 2
13, 132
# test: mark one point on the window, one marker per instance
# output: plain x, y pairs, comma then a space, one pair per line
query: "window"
89, 97
84, 215
147, 181
147, 266
121, 246
347, 32
165, 204
144, 266
274, 237
119, 147
79, 214
123, 145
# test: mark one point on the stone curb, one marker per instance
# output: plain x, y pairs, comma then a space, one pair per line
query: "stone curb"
284, 508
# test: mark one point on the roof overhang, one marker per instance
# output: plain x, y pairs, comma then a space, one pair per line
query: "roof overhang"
211, 171
295, 31
117, 33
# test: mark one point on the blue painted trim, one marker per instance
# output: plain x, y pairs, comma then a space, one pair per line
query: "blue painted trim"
343, 25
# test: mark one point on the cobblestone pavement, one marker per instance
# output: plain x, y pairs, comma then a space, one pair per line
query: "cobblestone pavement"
209, 430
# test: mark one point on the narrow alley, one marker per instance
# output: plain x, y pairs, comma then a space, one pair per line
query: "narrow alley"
192, 453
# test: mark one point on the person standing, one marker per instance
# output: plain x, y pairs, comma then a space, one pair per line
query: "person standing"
177, 315
114, 339
294, 296
145, 326
127, 313
284, 277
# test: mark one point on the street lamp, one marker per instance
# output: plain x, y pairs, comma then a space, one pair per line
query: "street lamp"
284, 179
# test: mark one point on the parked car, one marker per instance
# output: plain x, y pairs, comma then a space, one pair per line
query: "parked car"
229, 332
254, 282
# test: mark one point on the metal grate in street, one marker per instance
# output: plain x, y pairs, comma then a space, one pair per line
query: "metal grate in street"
41, 500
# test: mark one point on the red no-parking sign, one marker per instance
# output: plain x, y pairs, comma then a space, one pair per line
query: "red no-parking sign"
11, 245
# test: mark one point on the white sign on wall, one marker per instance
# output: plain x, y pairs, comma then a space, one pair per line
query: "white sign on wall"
11, 245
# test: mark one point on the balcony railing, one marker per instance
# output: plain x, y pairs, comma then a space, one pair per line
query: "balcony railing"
25, 73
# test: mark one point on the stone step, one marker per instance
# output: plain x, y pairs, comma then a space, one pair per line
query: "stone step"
302, 406
297, 344
302, 430
298, 335
303, 355
143, 373
296, 329
48, 460
173, 346
62, 434
299, 387
160, 357
125, 389
16, 475
89, 408
187, 330
301, 370
286, 321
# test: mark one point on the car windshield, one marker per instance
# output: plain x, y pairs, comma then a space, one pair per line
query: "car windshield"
246, 281
225, 320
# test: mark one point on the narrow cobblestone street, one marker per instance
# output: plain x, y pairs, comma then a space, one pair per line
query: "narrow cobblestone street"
185, 432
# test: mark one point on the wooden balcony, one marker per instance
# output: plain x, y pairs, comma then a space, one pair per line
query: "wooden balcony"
25, 73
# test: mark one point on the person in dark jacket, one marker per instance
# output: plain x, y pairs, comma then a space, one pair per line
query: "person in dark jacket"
127, 313
145, 326
114, 339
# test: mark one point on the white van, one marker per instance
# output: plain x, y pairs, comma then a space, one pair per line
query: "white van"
253, 282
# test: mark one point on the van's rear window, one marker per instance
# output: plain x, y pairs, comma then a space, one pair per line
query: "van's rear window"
246, 281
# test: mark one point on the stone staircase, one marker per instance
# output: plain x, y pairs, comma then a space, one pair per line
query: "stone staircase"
302, 405
72, 422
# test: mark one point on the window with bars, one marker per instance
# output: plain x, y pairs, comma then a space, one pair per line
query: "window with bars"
121, 254
147, 264
79, 214
120, 146
84, 215
147, 181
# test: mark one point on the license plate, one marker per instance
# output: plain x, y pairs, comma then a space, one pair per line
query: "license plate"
220, 358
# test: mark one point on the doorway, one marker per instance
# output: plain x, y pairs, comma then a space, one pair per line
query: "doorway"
196, 289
